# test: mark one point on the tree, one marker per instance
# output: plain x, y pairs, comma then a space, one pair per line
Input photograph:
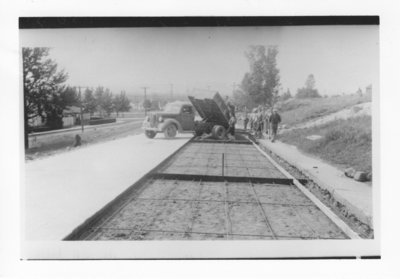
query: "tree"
147, 104
310, 82
107, 104
56, 105
43, 87
99, 95
104, 100
121, 103
89, 101
242, 99
155, 105
287, 95
308, 91
262, 81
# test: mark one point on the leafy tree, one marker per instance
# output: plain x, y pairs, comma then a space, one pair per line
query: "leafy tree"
155, 105
310, 82
89, 101
147, 104
242, 99
308, 91
44, 92
287, 95
262, 82
104, 100
107, 104
54, 109
121, 103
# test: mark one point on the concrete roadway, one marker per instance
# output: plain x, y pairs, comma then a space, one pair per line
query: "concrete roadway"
61, 191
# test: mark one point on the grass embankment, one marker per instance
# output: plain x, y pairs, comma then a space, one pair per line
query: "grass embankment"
54, 143
299, 111
345, 143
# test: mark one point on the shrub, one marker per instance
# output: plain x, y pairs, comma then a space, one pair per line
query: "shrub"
102, 121
333, 135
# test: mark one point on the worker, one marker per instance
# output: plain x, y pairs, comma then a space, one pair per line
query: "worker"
267, 127
232, 122
251, 121
260, 123
255, 124
274, 120
245, 120
231, 108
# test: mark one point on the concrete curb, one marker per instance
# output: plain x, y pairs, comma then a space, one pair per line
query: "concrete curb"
358, 212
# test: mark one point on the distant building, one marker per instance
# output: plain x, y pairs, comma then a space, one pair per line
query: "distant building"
72, 116
36, 121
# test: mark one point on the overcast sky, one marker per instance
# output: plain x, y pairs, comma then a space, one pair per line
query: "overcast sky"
342, 58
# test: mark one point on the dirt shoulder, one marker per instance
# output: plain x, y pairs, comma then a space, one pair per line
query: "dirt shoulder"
348, 212
43, 146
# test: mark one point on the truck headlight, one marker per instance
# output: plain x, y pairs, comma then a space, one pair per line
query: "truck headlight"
160, 119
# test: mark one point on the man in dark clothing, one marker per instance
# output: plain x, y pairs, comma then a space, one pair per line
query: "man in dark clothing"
232, 122
231, 108
274, 120
245, 120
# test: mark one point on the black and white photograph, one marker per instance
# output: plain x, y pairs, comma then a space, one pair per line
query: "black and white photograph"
169, 139
236, 134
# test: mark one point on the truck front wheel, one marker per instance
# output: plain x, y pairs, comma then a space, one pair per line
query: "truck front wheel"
150, 134
170, 131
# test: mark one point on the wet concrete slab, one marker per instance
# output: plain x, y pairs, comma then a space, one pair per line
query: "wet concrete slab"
219, 159
195, 210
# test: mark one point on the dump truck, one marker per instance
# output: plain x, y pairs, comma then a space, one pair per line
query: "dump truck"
176, 117
214, 189
180, 117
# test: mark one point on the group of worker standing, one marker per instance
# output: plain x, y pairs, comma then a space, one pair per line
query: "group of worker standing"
261, 121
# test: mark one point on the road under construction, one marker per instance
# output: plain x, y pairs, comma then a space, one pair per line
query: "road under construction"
215, 190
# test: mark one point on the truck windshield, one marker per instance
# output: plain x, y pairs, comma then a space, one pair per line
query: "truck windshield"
173, 108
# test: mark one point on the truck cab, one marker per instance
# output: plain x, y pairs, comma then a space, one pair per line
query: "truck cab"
176, 117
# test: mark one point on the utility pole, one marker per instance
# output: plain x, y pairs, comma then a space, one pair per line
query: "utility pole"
172, 90
80, 102
144, 102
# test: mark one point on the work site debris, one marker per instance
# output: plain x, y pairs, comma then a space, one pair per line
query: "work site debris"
349, 172
78, 140
360, 176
